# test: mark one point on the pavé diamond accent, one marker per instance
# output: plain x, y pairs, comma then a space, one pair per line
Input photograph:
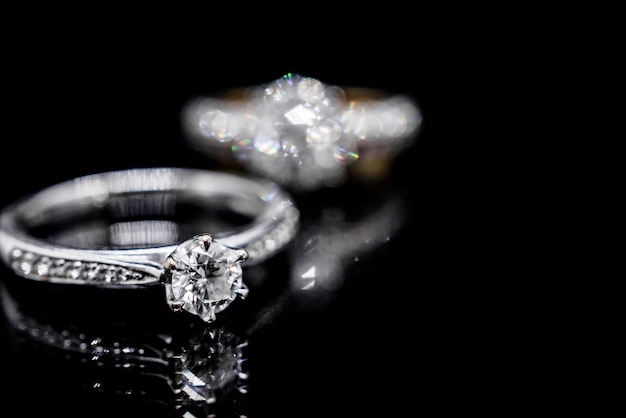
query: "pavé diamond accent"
203, 276
41, 267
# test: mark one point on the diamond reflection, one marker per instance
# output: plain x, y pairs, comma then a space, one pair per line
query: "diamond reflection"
335, 239
193, 373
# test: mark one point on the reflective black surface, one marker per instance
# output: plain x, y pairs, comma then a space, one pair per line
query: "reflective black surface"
353, 317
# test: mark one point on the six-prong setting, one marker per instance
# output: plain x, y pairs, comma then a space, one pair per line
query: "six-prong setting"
203, 276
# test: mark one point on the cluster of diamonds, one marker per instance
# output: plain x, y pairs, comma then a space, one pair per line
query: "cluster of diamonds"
290, 132
303, 133
39, 267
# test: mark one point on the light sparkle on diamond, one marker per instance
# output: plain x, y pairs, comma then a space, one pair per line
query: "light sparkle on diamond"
203, 277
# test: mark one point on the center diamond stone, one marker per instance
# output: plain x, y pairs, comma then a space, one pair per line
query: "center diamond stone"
203, 276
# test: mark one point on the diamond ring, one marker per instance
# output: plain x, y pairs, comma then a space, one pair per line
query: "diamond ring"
301, 132
130, 228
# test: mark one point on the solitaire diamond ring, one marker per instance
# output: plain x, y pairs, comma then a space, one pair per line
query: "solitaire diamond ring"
144, 227
301, 132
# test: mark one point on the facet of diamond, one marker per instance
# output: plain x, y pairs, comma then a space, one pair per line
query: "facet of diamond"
203, 276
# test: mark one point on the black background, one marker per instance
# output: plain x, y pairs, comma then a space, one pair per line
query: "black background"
398, 336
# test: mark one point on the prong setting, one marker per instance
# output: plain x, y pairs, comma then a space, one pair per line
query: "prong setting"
203, 276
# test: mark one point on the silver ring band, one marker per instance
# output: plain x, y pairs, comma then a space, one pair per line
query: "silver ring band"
39, 239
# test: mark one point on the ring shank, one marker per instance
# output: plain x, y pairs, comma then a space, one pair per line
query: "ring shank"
137, 197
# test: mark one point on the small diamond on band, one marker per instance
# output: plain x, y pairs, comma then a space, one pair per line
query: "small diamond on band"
60, 270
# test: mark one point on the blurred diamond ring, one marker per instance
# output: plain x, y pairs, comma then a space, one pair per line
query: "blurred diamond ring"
299, 131
129, 229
